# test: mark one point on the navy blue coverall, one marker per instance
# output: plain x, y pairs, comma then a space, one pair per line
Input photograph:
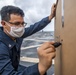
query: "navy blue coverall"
10, 51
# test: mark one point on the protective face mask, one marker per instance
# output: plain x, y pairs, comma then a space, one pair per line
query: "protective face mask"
16, 31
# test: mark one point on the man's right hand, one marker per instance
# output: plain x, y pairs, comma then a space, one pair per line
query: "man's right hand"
46, 53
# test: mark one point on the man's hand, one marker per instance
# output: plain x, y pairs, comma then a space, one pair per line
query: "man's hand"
46, 53
53, 12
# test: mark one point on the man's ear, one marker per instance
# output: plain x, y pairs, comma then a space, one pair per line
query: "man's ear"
3, 23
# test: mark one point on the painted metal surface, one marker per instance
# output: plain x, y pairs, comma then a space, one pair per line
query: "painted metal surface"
65, 62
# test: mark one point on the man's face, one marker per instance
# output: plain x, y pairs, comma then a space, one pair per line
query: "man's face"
15, 20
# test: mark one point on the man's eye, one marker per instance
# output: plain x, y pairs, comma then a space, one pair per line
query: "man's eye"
17, 23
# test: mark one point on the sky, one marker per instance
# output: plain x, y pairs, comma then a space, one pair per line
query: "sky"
34, 10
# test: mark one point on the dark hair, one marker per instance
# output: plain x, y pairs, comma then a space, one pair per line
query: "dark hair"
6, 11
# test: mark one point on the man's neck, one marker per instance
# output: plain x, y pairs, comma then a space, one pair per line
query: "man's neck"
9, 35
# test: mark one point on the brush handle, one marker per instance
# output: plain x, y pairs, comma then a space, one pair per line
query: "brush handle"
56, 44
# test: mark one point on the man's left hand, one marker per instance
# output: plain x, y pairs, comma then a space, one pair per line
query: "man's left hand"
53, 12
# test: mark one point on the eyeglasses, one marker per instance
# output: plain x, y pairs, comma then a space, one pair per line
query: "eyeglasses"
18, 23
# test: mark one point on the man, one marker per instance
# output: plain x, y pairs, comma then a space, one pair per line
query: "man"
12, 33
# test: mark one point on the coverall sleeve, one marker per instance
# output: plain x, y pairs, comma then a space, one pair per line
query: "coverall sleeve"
36, 27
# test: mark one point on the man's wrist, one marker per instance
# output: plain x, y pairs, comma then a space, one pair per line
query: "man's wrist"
50, 17
42, 70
